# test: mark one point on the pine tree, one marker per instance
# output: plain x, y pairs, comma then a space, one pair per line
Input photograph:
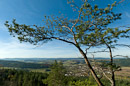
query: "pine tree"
56, 76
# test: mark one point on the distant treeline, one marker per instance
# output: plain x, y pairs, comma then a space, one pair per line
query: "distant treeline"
123, 62
47, 63
18, 64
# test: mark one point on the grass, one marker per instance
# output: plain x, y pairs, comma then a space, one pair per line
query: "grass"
125, 72
38, 70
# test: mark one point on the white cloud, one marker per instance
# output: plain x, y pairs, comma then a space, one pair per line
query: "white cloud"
14, 49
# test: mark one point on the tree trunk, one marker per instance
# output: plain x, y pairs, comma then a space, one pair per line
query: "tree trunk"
112, 72
90, 67
113, 79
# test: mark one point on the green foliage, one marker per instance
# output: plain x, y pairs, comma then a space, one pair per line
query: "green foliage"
21, 78
123, 82
89, 81
56, 76
82, 83
119, 82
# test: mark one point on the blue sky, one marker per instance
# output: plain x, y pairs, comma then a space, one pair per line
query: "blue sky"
32, 12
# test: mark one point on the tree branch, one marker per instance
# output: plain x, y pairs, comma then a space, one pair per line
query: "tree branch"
99, 51
61, 40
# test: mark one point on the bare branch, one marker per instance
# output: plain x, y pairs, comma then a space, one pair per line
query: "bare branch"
107, 76
100, 68
76, 21
66, 27
99, 51
87, 49
120, 1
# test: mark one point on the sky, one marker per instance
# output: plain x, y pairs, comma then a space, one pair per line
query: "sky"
32, 12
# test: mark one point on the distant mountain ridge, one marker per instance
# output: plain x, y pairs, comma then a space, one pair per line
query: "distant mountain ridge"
46, 62
36, 59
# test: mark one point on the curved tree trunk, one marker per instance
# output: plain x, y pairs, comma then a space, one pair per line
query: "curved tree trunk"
90, 67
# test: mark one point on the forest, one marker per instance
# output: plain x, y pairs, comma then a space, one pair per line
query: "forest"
23, 65
58, 73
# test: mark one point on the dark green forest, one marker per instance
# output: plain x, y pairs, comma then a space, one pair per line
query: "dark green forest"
18, 64
11, 77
